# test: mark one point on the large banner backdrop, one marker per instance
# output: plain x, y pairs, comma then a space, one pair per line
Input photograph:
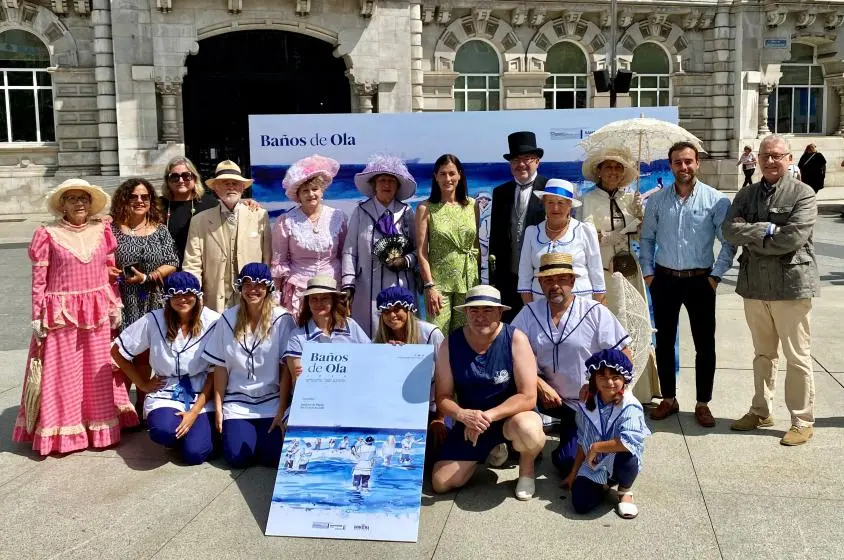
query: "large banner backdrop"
479, 139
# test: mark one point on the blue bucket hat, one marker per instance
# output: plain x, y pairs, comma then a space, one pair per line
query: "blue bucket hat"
255, 272
180, 283
395, 295
613, 359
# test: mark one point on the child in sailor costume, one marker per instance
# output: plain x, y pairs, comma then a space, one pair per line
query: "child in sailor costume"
247, 375
178, 411
611, 432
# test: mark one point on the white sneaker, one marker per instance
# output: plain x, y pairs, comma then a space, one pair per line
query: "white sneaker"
498, 456
525, 488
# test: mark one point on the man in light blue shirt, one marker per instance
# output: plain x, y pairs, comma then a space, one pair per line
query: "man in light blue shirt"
678, 263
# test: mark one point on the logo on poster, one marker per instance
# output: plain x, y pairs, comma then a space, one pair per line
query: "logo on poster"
285, 141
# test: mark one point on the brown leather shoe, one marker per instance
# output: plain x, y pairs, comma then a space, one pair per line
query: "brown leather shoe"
704, 416
664, 410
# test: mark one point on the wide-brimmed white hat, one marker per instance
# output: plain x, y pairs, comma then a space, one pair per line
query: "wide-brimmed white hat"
620, 154
99, 198
560, 188
381, 164
227, 169
483, 295
321, 285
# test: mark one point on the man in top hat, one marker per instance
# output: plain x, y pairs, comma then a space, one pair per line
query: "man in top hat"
564, 331
486, 382
513, 209
223, 239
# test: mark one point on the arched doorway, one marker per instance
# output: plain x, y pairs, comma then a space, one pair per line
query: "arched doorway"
255, 72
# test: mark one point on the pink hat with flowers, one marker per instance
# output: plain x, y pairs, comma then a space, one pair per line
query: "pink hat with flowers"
307, 168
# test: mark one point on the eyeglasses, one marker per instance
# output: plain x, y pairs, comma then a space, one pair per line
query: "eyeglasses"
775, 157
73, 199
523, 160
187, 177
141, 197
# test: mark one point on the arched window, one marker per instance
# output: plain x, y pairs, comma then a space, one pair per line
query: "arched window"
796, 105
651, 85
478, 88
566, 87
26, 91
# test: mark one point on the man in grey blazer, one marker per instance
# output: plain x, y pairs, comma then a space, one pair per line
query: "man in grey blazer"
773, 221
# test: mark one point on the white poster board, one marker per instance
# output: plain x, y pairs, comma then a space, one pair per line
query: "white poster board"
351, 466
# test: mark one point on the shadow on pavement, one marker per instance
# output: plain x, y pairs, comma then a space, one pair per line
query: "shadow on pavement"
256, 485
7, 425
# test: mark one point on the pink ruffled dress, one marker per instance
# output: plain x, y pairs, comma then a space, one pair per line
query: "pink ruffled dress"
83, 404
302, 250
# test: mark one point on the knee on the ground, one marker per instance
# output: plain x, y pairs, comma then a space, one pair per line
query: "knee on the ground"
196, 453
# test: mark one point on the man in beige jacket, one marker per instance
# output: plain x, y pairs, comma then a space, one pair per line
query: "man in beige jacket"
223, 239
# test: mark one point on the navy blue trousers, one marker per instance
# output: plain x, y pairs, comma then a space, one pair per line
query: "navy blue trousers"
195, 446
586, 494
246, 442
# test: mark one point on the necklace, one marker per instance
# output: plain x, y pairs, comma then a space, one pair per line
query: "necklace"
315, 221
73, 227
170, 212
555, 232
133, 231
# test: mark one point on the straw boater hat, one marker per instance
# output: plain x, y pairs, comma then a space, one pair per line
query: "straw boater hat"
619, 154
321, 285
381, 164
227, 169
560, 188
99, 198
483, 295
306, 169
551, 264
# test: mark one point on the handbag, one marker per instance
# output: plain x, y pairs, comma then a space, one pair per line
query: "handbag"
625, 263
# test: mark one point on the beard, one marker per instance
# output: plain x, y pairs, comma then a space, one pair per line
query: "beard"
556, 298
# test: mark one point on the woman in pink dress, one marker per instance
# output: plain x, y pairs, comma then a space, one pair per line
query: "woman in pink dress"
307, 240
74, 305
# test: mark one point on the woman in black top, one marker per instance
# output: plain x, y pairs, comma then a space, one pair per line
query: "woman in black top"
183, 197
812, 167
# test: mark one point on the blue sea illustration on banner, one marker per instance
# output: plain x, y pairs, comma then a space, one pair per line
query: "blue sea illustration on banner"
351, 474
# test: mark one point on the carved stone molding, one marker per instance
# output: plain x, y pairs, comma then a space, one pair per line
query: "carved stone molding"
168, 88
624, 18
691, 20
775, 17
11, 3
833, 20
806, 18
235, 6
518, 16
706, 19
82, 7
427, 12
367, 8
303, 7
58, 6
164, 6
443, 14
536, 17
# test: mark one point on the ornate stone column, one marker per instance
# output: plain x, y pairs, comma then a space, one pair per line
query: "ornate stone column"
169, 92
104, 74
764, 91
365, 92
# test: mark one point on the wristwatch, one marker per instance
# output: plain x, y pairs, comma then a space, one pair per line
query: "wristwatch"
716, 278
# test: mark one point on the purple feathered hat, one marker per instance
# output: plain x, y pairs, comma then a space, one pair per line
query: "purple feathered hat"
382, 164
395, 295
613, 359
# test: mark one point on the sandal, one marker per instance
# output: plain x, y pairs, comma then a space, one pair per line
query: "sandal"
626, 510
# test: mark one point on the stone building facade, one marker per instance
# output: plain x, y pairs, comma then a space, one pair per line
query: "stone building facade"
106, 89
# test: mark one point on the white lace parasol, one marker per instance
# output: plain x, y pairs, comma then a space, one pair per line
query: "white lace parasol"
632, 312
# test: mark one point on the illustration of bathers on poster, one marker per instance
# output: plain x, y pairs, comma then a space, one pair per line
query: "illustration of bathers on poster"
354, 451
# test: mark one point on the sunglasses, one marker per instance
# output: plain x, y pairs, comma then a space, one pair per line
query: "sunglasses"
187, 176
141, 197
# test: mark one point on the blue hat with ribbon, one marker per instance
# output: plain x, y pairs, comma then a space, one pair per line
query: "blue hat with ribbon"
613, 359
560, 188
255, 272
180, 283
395, 295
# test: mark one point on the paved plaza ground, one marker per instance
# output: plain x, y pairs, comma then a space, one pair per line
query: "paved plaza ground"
704, 493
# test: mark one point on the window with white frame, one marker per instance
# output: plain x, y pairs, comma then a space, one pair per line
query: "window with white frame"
478, 88
796, 104
26, 90
651, 84
568, 85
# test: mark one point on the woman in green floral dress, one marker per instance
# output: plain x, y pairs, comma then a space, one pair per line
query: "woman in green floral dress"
447, 241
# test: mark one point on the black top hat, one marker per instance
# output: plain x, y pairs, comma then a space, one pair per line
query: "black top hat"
522, 143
